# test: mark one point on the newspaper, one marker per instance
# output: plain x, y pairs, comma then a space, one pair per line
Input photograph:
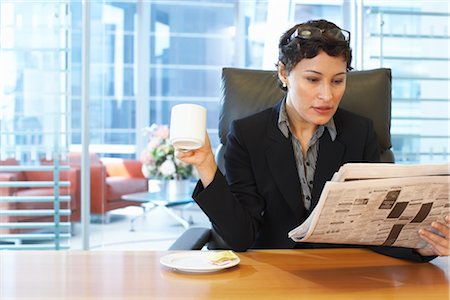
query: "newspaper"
378, 204
358, 171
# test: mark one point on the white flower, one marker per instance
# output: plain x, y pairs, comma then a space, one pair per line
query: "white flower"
167, 168
145, 171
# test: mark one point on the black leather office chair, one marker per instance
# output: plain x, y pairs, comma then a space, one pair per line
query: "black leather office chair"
245, 92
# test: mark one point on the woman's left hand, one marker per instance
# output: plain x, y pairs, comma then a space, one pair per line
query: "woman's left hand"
440, 244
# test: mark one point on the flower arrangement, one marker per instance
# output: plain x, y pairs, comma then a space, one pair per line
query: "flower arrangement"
158, 159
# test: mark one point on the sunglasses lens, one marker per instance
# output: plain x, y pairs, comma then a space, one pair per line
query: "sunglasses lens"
338, 34
305, 33
308, 33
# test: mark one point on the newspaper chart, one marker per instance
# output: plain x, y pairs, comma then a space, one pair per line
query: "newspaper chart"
383, 212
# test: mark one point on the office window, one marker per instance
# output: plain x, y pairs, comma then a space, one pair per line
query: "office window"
112, 77
189, 44
413, 40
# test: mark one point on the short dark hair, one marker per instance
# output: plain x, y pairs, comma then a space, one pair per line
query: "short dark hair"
292, 51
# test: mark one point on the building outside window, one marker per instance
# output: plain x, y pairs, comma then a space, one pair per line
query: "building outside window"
413, 40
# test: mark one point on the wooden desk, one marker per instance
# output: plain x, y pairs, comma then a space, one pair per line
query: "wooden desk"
272, 274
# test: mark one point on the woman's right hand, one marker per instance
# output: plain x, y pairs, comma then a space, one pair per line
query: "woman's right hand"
202, 159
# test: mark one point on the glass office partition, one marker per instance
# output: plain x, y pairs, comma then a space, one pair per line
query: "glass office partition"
38, 195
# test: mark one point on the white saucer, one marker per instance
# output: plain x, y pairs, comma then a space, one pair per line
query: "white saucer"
194, 262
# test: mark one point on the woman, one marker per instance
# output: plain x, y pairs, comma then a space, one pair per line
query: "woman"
277, 161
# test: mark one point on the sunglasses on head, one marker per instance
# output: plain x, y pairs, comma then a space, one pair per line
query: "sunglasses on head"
309, 32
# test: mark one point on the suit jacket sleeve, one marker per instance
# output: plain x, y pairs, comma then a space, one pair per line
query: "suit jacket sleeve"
234, 206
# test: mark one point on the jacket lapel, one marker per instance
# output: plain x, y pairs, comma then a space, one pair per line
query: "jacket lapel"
281, 162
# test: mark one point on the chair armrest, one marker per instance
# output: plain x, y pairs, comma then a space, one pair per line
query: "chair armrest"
97, 185
7, 191
194, 238
74, 177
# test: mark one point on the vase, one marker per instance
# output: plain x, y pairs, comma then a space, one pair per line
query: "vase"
174, 189
155, 185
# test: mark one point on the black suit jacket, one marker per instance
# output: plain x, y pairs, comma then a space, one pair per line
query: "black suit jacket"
260, 200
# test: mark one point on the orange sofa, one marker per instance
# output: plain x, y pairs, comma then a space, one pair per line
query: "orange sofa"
72, 175
110, 179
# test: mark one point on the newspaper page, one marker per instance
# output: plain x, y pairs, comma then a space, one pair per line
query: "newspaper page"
359, 171
383, 212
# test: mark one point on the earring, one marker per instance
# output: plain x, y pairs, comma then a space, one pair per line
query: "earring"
284, 84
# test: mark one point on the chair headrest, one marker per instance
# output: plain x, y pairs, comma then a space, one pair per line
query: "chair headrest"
246, 91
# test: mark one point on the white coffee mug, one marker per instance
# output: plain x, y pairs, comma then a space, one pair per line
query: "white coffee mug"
187, 126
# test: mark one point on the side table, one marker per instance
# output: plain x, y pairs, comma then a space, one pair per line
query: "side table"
151, 200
